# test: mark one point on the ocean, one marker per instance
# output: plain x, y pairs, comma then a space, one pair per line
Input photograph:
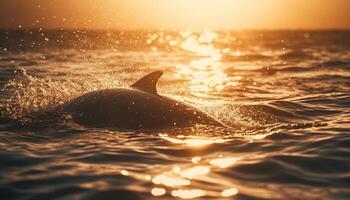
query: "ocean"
286, 95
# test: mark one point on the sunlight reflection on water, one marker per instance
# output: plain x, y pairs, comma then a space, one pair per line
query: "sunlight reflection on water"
158, 191
223, 162
170, 181
180, 177
188, 194
229, 192
205, 73
192, 141
197, 169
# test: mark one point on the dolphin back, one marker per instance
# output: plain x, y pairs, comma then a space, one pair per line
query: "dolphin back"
128, 108
136, 107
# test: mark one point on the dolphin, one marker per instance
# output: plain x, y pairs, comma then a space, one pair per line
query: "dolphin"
137, 107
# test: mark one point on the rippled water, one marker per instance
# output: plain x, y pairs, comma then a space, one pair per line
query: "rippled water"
287, 93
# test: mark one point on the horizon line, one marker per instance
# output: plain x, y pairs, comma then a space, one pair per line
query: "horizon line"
168, 29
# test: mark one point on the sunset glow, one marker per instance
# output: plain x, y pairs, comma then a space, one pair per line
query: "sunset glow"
174, 99
194, 14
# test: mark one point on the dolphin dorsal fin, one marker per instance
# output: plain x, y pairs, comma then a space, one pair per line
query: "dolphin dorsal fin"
148, 83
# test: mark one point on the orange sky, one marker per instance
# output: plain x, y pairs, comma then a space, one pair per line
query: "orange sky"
192, 14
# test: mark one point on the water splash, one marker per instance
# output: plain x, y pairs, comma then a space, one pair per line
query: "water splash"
26, 94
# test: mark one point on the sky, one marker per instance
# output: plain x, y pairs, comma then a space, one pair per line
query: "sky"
176, 14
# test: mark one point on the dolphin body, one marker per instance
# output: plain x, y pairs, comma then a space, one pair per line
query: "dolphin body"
136, 107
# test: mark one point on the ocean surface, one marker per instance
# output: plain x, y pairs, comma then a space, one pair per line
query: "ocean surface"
286, 93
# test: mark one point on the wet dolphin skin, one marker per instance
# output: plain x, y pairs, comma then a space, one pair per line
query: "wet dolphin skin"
136, 107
